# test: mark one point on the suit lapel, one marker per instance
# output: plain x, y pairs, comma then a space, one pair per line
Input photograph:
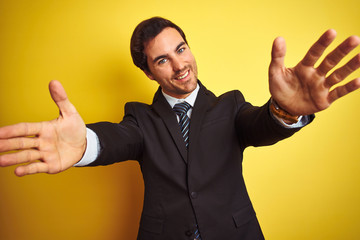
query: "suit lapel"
162, 107
204, 101
202, 104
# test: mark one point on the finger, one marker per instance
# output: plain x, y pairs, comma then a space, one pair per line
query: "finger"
24, 156
341, 73
20, 130
32, 168
277, 56
339, 53
18, 144
341, 91
318, 48
59, 96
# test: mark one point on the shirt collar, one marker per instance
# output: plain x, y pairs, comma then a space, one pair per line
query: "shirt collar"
189, 99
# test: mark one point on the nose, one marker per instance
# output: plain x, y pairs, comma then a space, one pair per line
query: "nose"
177, 64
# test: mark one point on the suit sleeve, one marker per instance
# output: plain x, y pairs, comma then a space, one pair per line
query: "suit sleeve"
119, 141
256, 127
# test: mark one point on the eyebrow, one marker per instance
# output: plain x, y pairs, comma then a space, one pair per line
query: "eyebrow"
163, 56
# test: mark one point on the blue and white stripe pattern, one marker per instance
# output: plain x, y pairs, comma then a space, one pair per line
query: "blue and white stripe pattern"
197, 234
181, 110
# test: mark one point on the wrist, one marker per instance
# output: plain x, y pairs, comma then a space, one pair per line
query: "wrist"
282, 114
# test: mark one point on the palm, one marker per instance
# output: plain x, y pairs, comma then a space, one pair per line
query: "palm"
304, 89
61, 142
71, 134
48, 147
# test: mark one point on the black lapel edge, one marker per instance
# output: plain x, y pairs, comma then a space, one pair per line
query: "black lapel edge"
162, 107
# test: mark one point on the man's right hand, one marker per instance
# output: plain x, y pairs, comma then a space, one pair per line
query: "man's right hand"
46, 147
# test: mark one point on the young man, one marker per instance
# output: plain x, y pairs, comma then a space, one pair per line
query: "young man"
194, 188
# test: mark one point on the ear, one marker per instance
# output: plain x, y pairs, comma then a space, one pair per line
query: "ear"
149, 75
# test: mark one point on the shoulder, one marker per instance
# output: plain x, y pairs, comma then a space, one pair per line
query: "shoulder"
234, 98
136, 106
139, 111
234, 95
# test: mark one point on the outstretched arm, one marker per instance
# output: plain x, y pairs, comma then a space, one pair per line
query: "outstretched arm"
47, 147
304, 89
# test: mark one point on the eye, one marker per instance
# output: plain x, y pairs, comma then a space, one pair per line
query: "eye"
162, 61
181, 50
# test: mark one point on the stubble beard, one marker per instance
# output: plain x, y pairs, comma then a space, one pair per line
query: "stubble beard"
190, 85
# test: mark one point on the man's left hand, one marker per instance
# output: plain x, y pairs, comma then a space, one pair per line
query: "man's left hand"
304, 89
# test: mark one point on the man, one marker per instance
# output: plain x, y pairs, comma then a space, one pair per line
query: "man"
194, 188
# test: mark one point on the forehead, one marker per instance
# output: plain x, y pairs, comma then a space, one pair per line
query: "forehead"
164, 43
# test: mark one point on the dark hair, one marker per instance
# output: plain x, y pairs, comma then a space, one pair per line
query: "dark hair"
144, 32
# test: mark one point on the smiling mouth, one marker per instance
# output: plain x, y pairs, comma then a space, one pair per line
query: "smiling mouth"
183, 76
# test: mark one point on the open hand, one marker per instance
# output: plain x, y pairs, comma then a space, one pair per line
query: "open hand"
47, 147
304, 89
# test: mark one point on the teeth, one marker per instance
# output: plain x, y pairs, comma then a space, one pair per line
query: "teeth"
183, 76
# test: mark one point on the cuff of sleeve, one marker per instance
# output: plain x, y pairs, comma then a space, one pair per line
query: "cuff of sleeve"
298, 124
92, 149
302, 121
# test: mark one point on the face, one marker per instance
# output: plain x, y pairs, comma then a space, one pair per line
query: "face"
171, 63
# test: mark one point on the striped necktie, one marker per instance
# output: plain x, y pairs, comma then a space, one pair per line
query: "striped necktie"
181, 110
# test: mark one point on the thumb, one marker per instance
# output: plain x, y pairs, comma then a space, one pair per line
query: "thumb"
59, 96
277, 55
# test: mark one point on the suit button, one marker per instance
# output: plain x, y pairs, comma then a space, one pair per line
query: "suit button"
194, 195
188, 233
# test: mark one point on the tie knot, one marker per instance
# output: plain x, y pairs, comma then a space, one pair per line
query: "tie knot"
181, 108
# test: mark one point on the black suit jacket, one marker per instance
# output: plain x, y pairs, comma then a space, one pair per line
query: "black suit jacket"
203, 184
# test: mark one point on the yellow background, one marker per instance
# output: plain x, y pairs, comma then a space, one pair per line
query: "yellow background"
306, 187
